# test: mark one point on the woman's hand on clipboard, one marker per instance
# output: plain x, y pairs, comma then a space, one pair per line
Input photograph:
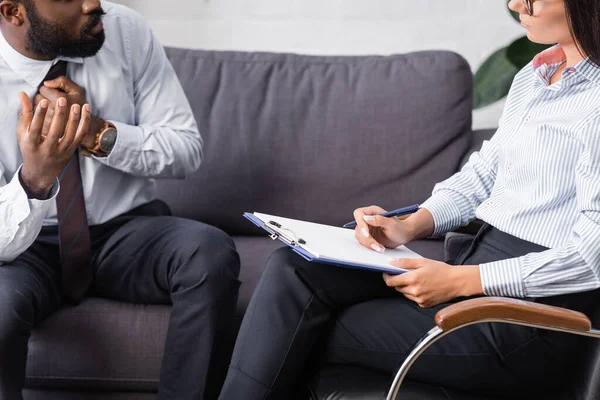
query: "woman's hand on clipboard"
378, 233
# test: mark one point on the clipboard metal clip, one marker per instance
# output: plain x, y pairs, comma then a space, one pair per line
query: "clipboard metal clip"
276, 227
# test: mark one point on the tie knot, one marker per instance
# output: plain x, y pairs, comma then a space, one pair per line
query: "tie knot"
58, 69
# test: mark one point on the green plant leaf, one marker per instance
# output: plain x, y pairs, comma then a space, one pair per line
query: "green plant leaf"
493, 79
522, 50
514, 14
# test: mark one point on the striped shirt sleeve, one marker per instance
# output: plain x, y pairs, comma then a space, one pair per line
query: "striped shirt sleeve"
454, 201
574, 267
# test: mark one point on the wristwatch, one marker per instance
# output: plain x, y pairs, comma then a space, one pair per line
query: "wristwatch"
105, 141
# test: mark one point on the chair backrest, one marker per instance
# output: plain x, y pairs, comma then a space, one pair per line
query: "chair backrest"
314, 137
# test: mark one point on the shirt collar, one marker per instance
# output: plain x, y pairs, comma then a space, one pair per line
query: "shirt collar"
553, 55
556, 55
31, 71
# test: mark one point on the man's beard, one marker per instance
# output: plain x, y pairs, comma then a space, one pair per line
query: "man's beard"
48, 39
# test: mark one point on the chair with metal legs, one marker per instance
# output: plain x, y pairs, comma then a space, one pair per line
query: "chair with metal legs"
495, 309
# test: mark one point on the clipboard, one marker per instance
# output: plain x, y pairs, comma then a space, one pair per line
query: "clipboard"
298, 235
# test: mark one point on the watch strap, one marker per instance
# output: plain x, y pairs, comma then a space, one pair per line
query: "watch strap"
97, 149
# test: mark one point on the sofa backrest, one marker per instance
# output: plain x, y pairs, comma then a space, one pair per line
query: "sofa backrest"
313, 137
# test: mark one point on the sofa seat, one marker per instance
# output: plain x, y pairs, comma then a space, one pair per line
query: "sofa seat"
109, 346
100, 345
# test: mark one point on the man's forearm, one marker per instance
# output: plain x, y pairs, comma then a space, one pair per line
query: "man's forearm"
23, 216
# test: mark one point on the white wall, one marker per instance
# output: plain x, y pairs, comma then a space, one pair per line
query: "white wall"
473, 28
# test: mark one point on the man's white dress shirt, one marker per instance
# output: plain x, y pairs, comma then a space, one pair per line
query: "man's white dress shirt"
130, 83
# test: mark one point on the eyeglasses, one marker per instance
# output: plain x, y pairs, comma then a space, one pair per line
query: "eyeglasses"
529, 6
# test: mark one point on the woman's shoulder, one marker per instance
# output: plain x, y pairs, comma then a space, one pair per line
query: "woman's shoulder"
521, 83
526, 74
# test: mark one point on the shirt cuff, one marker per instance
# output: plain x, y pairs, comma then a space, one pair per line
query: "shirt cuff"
20, 205
446, 214
32, 201
128, 146
503, 278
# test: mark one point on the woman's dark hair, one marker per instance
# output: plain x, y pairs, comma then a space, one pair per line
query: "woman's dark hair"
584, 23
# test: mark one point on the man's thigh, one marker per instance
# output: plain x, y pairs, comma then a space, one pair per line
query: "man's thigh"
30, 288
142, 260
379, 334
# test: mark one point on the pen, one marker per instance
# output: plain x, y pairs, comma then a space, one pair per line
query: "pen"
396, 213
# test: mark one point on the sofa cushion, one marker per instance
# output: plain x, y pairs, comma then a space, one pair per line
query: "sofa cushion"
99, 345
429, 248
455, 244
312, 137
254, 252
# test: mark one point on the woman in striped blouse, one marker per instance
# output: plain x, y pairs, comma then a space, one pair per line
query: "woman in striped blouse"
536, 185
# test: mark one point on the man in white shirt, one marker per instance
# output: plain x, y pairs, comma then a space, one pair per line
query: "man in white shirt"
87, 222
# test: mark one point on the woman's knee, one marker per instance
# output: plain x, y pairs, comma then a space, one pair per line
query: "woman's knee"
284, 264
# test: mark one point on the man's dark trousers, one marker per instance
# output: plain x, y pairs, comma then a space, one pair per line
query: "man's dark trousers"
143, 257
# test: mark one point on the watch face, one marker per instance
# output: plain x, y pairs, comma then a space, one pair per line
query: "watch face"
108, 140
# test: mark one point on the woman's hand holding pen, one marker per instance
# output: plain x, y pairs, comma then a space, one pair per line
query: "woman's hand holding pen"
378, 233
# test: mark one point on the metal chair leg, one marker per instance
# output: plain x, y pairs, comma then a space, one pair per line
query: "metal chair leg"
430, 338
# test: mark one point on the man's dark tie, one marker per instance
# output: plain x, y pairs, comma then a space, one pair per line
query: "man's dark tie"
73, 232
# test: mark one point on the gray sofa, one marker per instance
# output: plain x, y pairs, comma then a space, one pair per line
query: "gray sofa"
300, 136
